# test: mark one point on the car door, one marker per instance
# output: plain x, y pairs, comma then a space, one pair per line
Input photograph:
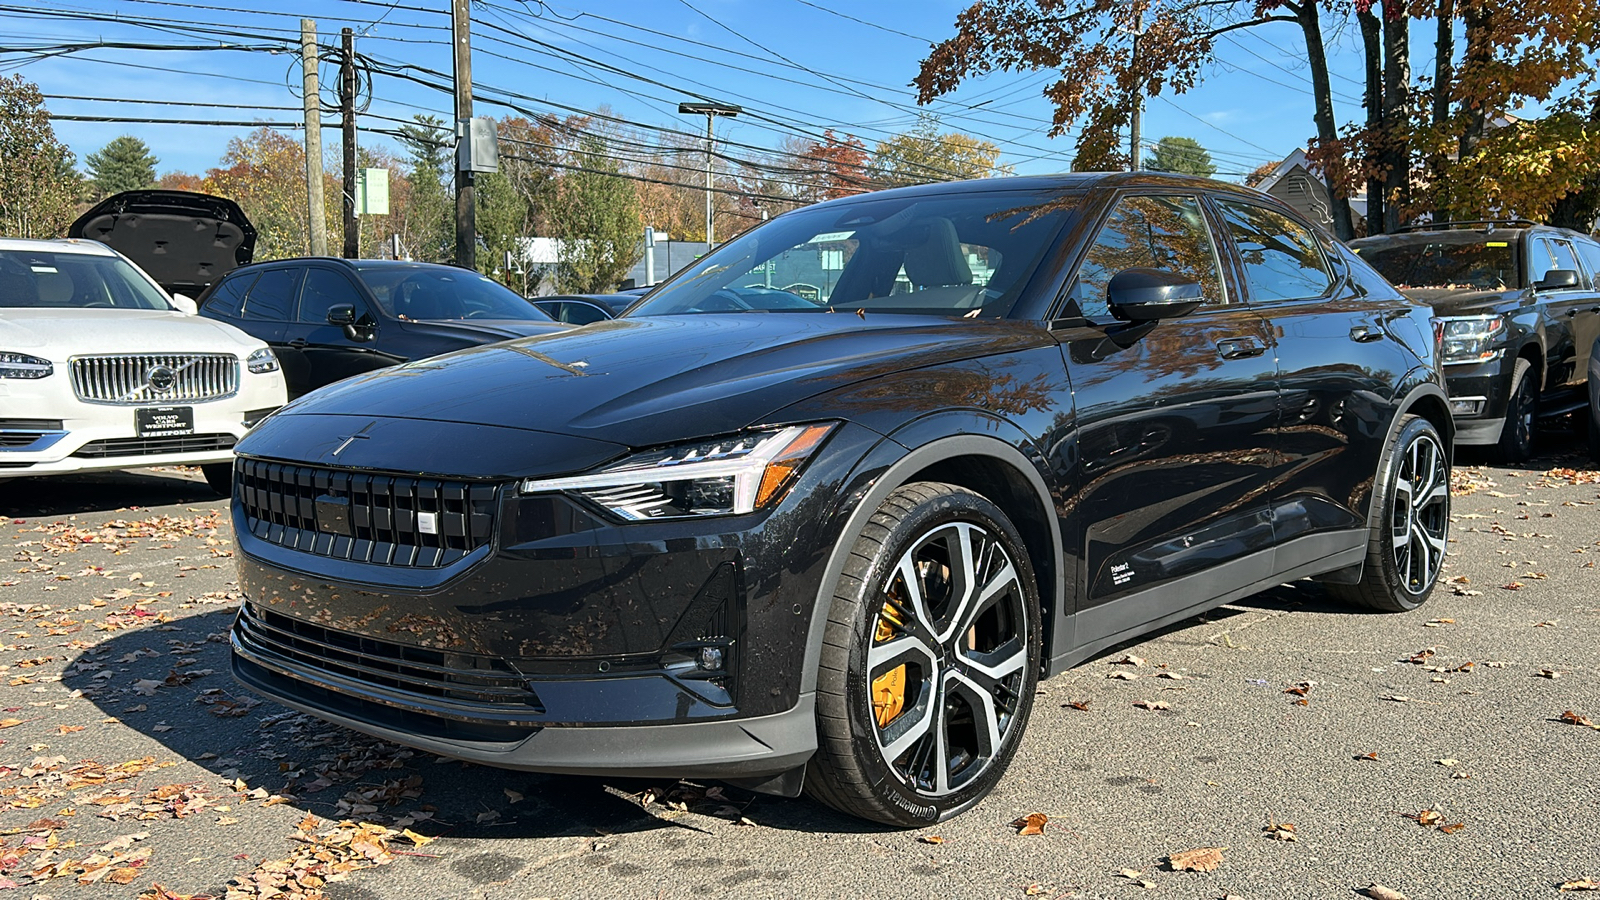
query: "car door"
1337, 363
265, 313
1559, 308
1173, 429
1585, 319
334, 352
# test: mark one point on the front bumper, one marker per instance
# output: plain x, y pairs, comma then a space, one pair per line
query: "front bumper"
1490, 381
76, 436
565, 643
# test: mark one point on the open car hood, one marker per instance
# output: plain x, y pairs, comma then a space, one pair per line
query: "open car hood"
184, 240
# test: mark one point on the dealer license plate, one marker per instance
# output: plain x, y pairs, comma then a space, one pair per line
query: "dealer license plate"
160, 421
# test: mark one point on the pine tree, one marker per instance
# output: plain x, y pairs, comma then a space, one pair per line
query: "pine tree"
125, 164
1182, 155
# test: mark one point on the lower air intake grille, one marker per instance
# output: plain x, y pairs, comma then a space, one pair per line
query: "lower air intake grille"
147, 446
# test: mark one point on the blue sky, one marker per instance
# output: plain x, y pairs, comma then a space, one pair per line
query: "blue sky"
796, 67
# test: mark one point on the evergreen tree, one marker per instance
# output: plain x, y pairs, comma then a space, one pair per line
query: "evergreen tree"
432, 211
125, 164
1183, 156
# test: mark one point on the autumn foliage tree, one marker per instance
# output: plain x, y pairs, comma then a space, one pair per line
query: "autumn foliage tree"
38, 185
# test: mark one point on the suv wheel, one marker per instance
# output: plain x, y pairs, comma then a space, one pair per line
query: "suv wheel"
1516, 436
1409, 523
929, 662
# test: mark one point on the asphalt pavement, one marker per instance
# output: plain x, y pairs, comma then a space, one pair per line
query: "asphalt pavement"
1314, 749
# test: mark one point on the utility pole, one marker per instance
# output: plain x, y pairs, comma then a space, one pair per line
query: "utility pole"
347, 110
710, 111
466, 202
316, 217
1134, 148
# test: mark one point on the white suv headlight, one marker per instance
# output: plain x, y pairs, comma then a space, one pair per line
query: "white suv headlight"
262, 361
729, 476
1470, 339
21, 365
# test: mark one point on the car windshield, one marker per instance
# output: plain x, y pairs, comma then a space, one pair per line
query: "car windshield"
42, 279
1481, 264
416, 294
962, 255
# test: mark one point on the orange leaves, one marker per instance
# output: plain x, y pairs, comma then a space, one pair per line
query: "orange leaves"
1033, 823
1572, 718
1200, 859
1281, 831
1433, 818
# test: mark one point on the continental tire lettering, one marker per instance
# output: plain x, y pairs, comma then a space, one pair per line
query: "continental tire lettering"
925, 812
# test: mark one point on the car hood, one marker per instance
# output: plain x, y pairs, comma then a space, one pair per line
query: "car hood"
184, 240
1459, 302
479, 329
651, 381
59, 333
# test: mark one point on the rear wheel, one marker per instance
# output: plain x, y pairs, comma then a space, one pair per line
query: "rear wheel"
1409, 522
220, 477
1594, 419
1516, 436
930, 660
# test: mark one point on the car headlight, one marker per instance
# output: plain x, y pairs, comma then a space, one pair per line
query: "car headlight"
21, 365
728, 476
1470, 339
262, 361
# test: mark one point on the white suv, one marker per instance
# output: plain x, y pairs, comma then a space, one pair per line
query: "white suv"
100, 369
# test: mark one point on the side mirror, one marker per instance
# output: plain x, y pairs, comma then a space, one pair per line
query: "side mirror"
341, 314
185, 305
1556, 279
1145, 295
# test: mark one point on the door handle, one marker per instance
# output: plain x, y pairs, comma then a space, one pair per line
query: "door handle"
1239, 348
1361, 334
298, 343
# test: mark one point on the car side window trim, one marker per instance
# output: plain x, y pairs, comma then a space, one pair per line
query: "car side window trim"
1067, 303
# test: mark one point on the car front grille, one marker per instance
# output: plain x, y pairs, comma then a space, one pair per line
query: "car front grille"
391, 520
15, 433
127, 380
461, 685
146, 446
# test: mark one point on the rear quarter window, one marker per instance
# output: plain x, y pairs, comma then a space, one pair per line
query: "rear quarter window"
228, 297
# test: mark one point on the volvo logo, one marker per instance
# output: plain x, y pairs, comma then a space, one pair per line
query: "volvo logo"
161, 378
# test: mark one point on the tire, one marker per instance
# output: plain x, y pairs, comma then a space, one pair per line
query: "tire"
966, 670
1516, 436
220, 477
1409, 522
1594, 421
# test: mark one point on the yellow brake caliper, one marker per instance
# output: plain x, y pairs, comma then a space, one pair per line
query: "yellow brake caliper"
888, 689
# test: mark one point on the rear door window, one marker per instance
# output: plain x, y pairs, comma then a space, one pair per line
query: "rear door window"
1589, 255
1280, 256
1156, 232
228, 298
271, 298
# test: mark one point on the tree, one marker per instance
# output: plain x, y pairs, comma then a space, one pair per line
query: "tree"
596, 216
1182, 155
830, 168
125, 164
265, 174
924, 155
38, 185
428, 232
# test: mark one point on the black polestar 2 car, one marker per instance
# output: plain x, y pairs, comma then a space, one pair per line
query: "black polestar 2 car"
829, 539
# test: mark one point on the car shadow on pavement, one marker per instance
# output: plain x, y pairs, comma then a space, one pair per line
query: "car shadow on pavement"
171, 681
63, 495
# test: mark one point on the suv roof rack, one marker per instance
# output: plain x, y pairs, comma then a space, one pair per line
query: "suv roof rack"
1472, 223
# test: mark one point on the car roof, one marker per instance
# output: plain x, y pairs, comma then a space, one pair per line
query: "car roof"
58, 245
1081, 181
354, 264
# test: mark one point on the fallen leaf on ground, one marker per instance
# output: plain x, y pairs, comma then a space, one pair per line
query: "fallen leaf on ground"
1379, 892
1569, 717
1372, 756
1453, 827
1032, 823
1281, 831
1130, 660
1582, 884
1078, 704
931, 839
1426, 817
1120, 676
1200, 859
1153, 705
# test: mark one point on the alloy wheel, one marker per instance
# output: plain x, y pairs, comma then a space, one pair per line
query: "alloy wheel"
1419, 514
947, 657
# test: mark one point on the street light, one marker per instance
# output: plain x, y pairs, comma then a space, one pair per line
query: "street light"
710, 111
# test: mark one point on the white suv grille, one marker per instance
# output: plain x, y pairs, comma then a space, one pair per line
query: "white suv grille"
177, 378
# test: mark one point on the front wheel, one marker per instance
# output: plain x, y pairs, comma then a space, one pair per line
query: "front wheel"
1409, 523
1516, 435
930, 659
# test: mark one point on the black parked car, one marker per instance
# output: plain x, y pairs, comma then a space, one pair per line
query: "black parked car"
328, 319
583, 309
834, 541
1521, 307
